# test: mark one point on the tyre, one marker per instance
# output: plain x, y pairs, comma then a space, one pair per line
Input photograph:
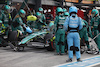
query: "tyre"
51, 46
48, 37
12, 36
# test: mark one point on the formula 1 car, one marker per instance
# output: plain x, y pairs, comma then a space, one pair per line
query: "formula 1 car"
44, 36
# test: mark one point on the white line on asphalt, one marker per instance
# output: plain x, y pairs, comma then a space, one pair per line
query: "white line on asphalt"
93, 65
75, 61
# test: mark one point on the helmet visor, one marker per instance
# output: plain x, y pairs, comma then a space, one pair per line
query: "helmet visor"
7, 10
22, 15
66, 15
93, 14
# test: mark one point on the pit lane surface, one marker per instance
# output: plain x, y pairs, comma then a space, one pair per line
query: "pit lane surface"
34, 57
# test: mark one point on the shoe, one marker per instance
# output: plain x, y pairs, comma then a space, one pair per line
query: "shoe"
15, 48
69, 60
62, 53
79, 60
57, 54
96, 53
0, 45
89, 51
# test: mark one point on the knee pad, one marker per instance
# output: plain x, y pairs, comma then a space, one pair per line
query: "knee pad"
62, 43
76, 49
58, 43
72, 48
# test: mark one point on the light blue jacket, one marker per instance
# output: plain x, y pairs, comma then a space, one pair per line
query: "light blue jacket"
73, 23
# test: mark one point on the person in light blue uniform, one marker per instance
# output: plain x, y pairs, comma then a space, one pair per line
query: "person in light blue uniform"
72, 25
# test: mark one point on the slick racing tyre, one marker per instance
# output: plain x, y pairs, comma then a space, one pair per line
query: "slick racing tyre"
51, 46
48, 37
12, 36
47, 41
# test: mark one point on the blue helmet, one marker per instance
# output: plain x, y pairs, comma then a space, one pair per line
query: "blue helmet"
7, 7
51, 24
73, 9
40, 9
0, 21
95, 12
59, 9
64, 10
38, 14
66, 14
22, 13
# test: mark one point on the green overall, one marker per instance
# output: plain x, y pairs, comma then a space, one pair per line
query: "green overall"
94, 23
59, 33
